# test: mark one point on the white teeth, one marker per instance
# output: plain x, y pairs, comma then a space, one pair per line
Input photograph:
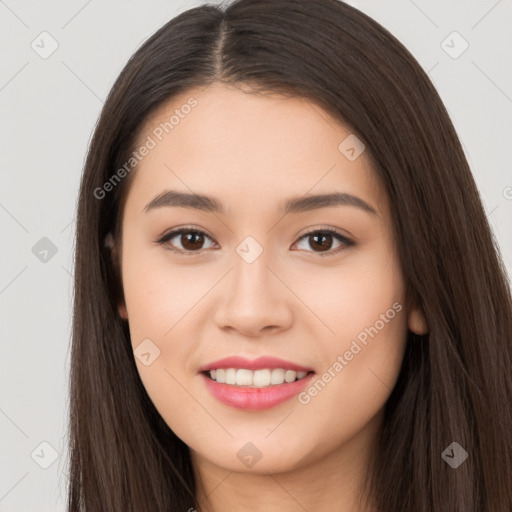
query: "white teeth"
277, 376
261, 378
230, 376
290, 375
243, 377
257, 378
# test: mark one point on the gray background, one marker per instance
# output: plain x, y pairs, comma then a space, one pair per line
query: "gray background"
48, 111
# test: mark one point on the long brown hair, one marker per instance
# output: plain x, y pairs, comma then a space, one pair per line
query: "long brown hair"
454, 384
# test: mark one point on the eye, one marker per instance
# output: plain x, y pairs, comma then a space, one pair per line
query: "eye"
191, 240
323, 239
187, 241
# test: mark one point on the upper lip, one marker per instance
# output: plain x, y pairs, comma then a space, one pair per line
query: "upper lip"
255, 364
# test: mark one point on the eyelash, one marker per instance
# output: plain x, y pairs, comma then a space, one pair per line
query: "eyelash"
171, 234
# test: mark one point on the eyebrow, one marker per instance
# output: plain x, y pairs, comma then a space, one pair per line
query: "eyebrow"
293, 205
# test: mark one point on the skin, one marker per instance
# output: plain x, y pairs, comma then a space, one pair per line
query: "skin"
252, 153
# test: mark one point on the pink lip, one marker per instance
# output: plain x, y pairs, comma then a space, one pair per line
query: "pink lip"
256, 364
255, 399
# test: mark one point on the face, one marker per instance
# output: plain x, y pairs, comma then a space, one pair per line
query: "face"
295, 287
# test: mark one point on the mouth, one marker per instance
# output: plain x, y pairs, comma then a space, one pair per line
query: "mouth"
256, 384
255, 379
255, 390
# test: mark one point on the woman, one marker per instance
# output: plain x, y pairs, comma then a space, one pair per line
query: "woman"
287, 293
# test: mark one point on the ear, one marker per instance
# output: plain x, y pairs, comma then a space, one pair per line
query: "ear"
110, 243
416, 320
121, 308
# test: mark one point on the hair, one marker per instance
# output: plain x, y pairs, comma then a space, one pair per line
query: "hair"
453, 384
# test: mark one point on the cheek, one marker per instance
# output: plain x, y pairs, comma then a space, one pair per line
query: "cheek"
359, 374
364, 329
159, 296
353, 295
162, 301
159, 304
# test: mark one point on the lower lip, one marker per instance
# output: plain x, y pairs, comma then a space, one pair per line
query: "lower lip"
255, 399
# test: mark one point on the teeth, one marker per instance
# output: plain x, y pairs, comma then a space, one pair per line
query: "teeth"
230, 376
260, 378
243, 377
257, 378
277, 376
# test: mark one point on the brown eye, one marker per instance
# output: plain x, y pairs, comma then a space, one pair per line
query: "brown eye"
187, 241
184, 241
321, 241
192, 241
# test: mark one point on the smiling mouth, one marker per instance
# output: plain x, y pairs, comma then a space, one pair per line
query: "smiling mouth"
263, 378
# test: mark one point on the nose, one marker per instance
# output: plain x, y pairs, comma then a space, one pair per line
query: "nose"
253, 300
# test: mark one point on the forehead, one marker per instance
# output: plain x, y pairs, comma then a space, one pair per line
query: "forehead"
232, 143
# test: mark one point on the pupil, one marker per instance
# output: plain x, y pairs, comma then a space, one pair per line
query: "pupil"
323, 237
191, 240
